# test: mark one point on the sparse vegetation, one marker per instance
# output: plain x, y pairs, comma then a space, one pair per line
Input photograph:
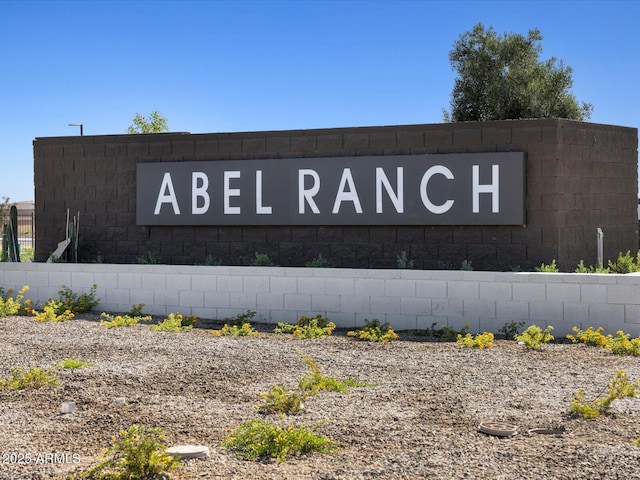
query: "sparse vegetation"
279, 400
22, 378
618, 388
260, 439
534, 338
480, 341
175, 322
137, 453
374, 332
307, 327
551, 268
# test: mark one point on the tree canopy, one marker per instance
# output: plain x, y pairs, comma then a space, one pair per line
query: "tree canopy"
502, 77
154, 123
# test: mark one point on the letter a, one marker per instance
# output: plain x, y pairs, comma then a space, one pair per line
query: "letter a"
169, 197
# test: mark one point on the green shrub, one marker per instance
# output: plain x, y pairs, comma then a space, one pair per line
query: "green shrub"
318, 262
244, 330
175, 322
591, 337
622, 344
126, 320
534, 337
13, 306
402, 262
449, 334
262, 260
21, 379
480, 341
53, 311
625, 263
259, 439
374, 332
581, 268
551, 268
149, 259
511, 329
138, 453
307, 327
315, 381
279, 400
77, 303
618, 388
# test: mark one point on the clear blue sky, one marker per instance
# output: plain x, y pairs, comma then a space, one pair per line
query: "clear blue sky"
221, 66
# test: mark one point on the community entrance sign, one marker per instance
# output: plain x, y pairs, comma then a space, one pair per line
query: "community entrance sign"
444, 189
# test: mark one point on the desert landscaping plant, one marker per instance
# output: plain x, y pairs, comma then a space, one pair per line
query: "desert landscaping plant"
316, 381
260, 439
448, 334
623, 344
244, 330
534, 338
53, 311
480, 341
374, 332
307, 327
137, 453
625, 263
73, 363
511, 329
22, 378
618, 388
175, 322
582, 268
262, 260
551, 268
591, 337
280, 400
13, 306
318, 262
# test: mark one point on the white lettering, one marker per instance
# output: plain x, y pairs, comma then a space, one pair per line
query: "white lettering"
493, 188
260, 210
396, 198
169, 197
306, 195
230, 192
347, 196
437, 209
199, 186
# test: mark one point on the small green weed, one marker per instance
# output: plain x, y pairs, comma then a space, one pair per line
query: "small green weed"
551, 268
307, 327
210, 261
242, 318
34, 378
480, 341
137, 453
279, 400
257, 439
175, 322
374, 332
618, 388
534, 337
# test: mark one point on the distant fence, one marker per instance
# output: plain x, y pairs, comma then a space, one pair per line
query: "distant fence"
26, 229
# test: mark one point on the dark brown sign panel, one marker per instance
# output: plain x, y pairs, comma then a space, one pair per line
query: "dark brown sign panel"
447, 189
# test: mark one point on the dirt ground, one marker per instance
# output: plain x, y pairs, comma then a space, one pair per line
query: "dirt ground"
420, 420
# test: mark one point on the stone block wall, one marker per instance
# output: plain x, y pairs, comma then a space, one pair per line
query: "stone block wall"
580, 176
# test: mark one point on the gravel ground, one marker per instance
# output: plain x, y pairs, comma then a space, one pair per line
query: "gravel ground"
420, 420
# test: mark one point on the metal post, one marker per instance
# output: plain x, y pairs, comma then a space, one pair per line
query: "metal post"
600, 238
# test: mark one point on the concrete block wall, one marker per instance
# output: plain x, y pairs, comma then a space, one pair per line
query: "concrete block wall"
407, 299
580, 176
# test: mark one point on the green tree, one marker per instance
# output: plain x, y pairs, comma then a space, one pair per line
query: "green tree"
154, 123
502, 77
